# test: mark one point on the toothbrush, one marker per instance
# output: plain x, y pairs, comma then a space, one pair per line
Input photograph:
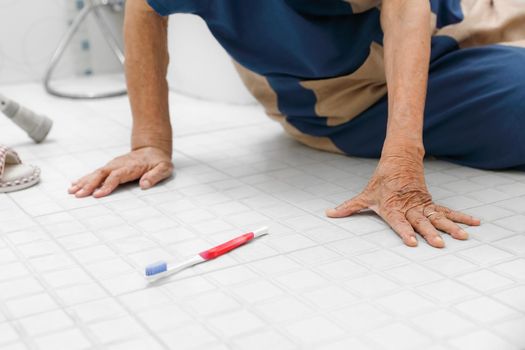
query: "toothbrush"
161, 269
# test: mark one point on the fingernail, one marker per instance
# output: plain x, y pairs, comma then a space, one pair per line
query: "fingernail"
464, 234
412, 241
146, 184
439, 241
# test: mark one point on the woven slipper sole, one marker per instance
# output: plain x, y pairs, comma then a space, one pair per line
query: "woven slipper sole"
22, 182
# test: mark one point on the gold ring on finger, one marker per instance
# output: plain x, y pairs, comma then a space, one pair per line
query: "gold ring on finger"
430, 214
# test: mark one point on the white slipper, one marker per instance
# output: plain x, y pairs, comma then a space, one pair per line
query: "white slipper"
14, 175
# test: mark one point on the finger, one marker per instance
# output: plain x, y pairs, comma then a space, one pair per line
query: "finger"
91, 183
112, 181
402, 227
459, 217
425, 228
154, 176
74, 188
116, 178
77, 184
446, 225
348, 208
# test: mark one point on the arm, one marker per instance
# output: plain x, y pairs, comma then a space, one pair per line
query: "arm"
145, 36
397, 191
407, 54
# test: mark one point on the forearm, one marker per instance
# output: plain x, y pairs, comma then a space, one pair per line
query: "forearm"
145, 35
407, 54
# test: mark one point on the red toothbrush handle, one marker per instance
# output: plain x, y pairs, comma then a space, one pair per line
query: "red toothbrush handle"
226, 247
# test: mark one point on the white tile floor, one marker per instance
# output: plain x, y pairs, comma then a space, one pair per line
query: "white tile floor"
70, 269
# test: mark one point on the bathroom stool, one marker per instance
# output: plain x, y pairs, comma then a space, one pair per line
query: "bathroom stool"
89, 6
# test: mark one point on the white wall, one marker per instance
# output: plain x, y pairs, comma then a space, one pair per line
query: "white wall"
30, 31
199, 66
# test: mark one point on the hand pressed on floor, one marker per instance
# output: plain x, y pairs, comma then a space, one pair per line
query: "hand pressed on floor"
398, 193
149, 164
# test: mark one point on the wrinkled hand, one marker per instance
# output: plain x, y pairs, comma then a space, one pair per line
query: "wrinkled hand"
149, 164
397, 192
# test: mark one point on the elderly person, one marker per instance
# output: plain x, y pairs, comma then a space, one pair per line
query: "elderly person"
394, 79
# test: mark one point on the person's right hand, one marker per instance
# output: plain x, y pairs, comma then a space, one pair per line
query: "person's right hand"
149, 164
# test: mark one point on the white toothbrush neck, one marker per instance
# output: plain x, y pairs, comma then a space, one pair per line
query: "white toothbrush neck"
260, 232
187, 263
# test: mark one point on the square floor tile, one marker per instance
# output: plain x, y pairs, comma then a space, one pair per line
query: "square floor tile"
406, 303
7, 333
450, 265
69, 340
360, 317
235, 323
283, 310
372, 285
116, 329
412, 274
30, 305
484, 280
312, 330
447, 291
189, 337
485, 254
381, 259
213, 303
266, 339
513, 269
443, 323
45, 322
513, 296
513, 330
486, 310
330, 297
481, 340
398, 336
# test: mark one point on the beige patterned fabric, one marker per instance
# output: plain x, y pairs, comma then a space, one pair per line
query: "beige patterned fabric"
333, 95
260, 88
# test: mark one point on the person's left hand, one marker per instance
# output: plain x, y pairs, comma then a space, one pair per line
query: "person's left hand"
397, 192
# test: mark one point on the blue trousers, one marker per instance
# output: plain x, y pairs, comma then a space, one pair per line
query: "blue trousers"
474, 116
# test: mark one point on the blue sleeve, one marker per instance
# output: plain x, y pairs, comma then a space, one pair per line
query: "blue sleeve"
168, 7
158, 6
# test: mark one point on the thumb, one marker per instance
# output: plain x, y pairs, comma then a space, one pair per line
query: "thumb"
160, 172
348, 208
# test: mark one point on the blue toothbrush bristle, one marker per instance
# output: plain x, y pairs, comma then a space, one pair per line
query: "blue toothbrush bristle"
156, 268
